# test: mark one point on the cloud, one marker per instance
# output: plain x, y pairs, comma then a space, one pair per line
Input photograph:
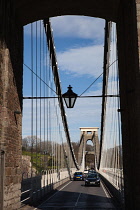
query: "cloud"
81, 61
80, 116
77, 61
71, 26
78, 27
86, 113
35, 116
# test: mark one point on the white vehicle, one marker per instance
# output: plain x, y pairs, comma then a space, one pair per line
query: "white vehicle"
85, 171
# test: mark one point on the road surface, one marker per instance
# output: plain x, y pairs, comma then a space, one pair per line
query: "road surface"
75, 195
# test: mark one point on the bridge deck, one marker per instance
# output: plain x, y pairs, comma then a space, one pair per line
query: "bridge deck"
74, 195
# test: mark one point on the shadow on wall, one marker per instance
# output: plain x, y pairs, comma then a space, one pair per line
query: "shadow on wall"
32, 191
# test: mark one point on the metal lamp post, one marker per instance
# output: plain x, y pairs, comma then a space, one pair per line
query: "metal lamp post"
70, 97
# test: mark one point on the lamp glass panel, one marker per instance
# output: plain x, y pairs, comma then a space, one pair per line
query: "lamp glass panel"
72, 101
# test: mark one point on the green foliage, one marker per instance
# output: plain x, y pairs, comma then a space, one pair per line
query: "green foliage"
39, 161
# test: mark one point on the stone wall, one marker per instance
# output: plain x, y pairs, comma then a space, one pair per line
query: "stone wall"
10, 102
129, 74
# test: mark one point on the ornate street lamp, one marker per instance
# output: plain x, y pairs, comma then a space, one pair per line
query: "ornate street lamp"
70, 97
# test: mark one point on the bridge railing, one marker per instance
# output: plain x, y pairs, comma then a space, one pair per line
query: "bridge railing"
34, 188
111, 154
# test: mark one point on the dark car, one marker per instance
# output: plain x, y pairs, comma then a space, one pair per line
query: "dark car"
92, 179
78, 176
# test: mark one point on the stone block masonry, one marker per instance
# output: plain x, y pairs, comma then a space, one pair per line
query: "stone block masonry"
11, 60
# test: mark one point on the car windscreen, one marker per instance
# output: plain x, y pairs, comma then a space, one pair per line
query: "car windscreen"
78, 173
92, 176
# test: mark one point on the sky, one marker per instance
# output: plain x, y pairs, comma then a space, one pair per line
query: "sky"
79, 45
79, 48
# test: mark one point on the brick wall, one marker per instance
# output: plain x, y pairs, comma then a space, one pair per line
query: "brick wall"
10, 101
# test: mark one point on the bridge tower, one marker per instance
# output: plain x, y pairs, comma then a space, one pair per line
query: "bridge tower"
88, 133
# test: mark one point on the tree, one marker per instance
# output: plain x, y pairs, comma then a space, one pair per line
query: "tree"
30, 142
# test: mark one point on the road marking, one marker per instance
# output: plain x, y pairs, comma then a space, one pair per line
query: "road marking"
54, 194
77, 199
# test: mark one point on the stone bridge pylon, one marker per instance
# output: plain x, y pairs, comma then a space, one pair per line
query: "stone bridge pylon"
88, 133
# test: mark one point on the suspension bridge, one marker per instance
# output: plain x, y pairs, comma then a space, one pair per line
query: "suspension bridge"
38, 156
48, 148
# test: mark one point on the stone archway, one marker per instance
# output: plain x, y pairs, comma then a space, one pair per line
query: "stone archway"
18, 13
33, 10
86, 134
90, 154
